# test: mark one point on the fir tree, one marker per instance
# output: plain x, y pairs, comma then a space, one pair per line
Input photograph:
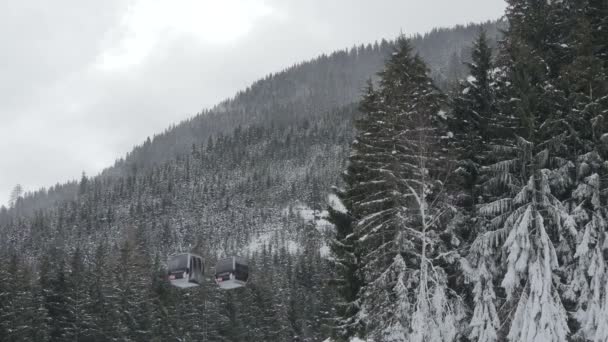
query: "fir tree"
584, 83
474, 104
81, 326
476, 124
525, 183
346, 265
53, 281
395, 187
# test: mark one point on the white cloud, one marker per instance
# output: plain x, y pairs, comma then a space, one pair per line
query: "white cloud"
147, 23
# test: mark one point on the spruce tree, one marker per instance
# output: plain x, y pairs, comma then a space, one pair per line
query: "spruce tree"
584, 82
524, 185
103, 299
474, 104
473, 125
54, 284
395, 192
346, 263
81, 326
477, 124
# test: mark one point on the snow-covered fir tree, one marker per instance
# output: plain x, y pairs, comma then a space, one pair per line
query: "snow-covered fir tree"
396, 191
476, 124
584, 82
539, 199
531, 173
346, 263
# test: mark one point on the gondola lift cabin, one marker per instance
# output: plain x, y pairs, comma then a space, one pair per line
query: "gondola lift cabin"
231, 272
185, 270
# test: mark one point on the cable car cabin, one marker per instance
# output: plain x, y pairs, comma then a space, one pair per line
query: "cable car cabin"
185, 270
231, 273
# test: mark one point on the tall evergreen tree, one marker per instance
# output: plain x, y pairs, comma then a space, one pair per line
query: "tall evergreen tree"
476, 124
346, 263
474, 104
134, 273
473, 125
53, 281
524, 186
395, 189
585, 84
81, 326
16, 193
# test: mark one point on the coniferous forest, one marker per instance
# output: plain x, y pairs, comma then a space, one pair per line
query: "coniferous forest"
445, 187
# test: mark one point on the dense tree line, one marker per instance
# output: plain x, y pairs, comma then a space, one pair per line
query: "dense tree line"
118, 293
483, 217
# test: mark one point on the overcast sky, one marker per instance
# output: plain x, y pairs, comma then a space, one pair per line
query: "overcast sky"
82, 82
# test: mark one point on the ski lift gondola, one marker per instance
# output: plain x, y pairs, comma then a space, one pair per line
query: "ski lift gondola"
185, 270
231, 273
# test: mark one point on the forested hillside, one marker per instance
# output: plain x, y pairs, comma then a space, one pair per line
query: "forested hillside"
306, 90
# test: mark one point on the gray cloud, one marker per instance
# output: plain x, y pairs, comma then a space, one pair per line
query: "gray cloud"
62, 114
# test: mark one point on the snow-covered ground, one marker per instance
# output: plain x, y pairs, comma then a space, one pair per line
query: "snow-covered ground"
354, 339
319, 218
265, 239
336, 203
316, 217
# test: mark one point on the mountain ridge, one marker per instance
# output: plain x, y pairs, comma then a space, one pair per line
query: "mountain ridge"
231, 113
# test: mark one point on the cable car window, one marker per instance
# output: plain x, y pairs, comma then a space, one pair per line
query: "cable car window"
241, 260
224, 265
179, 262
241, 269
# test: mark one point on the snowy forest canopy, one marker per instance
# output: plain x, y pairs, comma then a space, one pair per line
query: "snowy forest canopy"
481, 215
471, 205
